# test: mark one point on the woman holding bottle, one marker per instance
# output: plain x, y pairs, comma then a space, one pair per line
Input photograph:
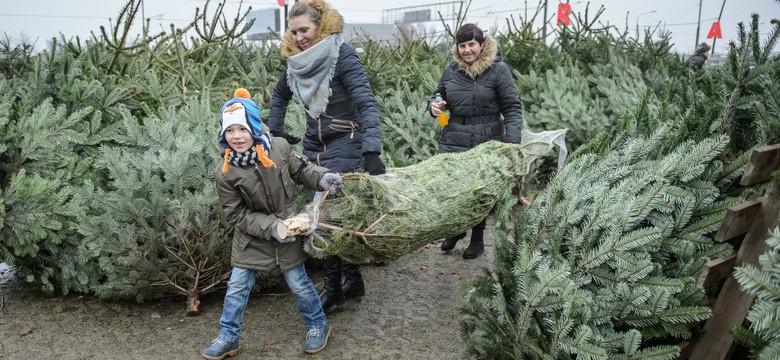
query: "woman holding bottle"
479, 92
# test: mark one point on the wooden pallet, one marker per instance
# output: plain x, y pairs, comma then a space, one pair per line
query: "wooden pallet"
753, 219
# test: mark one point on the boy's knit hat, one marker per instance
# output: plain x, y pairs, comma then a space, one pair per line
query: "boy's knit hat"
241, 110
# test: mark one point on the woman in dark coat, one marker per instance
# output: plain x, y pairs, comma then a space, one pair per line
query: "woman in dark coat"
343, 132
700, 56
480, 94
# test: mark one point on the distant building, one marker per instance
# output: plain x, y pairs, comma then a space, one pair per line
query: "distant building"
357, 33
267, 28
266, 25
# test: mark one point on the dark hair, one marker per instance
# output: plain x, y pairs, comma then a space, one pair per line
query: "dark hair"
702, 48
469, 32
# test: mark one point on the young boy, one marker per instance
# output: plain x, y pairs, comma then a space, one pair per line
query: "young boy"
255, 187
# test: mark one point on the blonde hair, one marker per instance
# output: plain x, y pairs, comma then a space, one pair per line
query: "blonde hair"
305, 8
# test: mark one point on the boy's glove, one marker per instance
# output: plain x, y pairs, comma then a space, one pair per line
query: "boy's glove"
292, 140
279, 232
373, 164
331, 178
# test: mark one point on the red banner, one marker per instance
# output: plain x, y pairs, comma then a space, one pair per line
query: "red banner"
715, 31
563, 14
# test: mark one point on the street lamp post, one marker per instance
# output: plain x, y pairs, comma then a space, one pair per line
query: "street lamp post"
637, 22
698, 26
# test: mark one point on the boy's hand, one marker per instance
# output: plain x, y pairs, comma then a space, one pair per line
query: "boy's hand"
331, 178
279, 232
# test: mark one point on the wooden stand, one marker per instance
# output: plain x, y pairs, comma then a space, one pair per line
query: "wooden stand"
753, 219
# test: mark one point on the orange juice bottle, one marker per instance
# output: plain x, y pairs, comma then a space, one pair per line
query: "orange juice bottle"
443, 118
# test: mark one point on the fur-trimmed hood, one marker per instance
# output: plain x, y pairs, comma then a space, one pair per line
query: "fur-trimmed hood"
331, 22
485, 60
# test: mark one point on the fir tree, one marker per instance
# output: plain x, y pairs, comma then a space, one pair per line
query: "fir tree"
36, 167
749, 79
156, 226
605, 261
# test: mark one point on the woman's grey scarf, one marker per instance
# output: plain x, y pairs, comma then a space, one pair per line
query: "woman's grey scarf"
309, 73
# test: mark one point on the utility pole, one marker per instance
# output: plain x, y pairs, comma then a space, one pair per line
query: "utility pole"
698, 26
716, 38
544, 29
143, 19
637, 21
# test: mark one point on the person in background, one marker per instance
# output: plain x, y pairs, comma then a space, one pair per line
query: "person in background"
479, 92
256, 196
343, 132
700, 56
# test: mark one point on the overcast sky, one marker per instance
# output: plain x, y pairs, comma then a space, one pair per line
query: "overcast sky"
43, 19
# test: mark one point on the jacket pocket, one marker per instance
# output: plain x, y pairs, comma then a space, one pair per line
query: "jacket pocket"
343, 125
240, 241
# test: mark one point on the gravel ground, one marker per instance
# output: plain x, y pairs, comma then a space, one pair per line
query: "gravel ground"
410, 311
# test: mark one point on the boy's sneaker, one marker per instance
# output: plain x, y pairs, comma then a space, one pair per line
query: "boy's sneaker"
219, 349
317, 339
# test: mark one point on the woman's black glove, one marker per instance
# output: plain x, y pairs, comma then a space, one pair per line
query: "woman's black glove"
292, 140
373, 164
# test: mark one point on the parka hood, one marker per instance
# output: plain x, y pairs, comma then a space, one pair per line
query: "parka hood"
331, 22
486, 58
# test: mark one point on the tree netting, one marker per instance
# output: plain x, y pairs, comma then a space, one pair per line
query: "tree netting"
380, 218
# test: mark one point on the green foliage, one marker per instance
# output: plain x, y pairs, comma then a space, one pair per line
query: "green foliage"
748, 78
421, 69
561, 98
410, 134
608, 251
37, 163
763, 336
69, 108
619, 84
14, 58
159, 208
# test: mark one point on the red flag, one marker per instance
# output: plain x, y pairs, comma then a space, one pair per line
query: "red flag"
563, 14
715, 31
282, 2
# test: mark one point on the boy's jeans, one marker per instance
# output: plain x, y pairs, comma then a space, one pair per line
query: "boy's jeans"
240, 285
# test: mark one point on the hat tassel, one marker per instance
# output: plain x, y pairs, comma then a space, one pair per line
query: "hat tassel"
225, 163
263, 157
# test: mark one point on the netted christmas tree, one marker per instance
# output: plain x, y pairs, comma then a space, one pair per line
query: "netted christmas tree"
605, 261
380, 218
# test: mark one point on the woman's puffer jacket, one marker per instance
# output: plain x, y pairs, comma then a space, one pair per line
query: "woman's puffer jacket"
350, 125
477, 96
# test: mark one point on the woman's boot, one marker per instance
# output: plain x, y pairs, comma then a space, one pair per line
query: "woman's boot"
450, 242
353, 283
476, 247
331, 294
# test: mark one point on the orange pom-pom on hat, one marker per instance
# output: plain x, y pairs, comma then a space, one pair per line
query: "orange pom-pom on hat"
242, 93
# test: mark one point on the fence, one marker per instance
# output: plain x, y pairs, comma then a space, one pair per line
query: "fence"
751, 221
